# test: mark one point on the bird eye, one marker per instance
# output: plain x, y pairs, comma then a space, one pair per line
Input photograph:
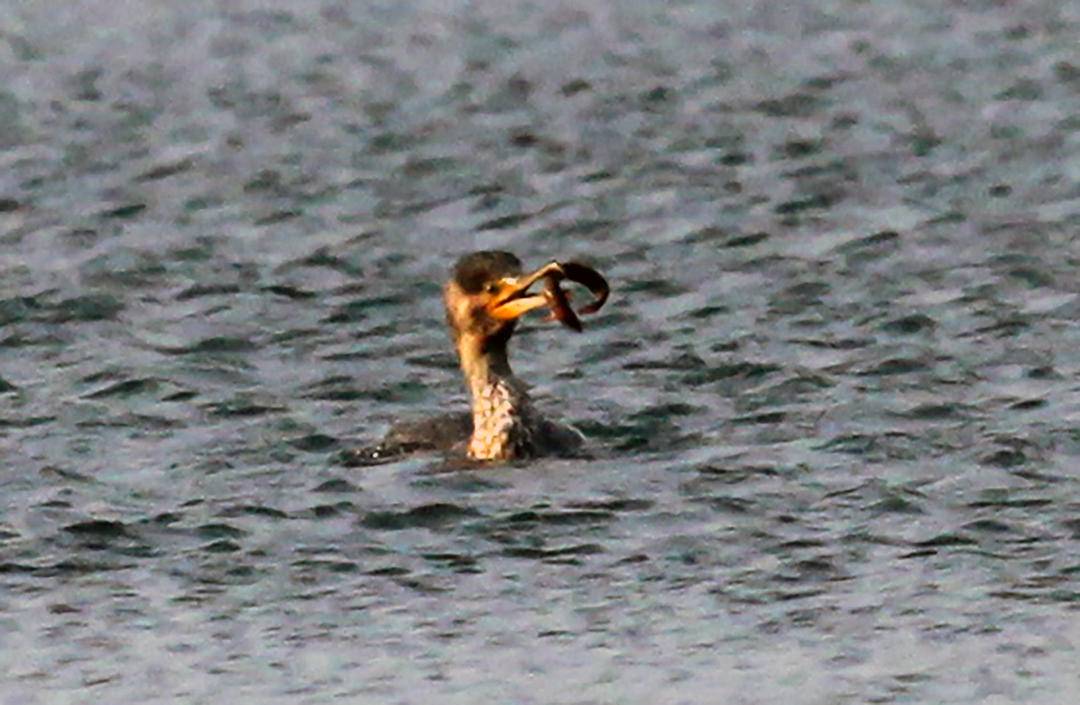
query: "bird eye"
491, 287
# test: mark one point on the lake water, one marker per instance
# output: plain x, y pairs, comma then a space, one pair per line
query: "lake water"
833, 401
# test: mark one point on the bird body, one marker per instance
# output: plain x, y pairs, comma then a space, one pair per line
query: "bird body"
486, 295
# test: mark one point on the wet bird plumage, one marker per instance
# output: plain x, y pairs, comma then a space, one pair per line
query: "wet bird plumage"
505, 424
485, 296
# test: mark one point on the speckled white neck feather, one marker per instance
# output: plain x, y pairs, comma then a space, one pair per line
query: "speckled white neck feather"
502, 420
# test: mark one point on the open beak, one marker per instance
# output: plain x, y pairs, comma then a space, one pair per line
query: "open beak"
514, 300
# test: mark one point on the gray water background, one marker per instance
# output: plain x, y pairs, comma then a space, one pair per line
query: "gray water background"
833, 400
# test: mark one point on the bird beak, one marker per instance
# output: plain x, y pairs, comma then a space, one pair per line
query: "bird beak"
514, 300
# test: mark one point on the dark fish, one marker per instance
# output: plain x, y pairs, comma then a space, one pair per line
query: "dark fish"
591, 280
560, 302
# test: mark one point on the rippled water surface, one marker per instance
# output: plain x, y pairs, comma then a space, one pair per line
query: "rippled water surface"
833, 401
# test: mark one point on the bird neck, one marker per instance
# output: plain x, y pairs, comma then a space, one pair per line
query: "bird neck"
501, 409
